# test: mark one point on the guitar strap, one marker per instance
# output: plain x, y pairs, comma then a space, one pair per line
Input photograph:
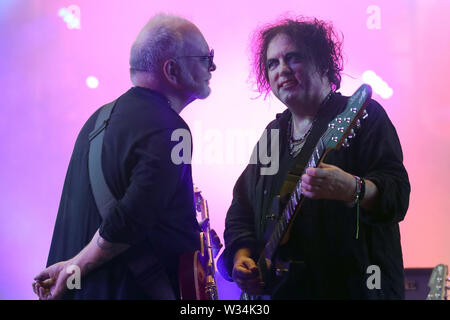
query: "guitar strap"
104, 199
146, 268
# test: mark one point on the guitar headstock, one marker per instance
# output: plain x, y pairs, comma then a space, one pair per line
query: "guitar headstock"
201, 205
342, 127
437, 283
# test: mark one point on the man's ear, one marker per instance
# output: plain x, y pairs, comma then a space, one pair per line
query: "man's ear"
171, 72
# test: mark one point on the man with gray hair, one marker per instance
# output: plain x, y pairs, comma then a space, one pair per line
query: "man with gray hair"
131, 250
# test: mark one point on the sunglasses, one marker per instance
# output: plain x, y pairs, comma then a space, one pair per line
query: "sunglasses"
210, 58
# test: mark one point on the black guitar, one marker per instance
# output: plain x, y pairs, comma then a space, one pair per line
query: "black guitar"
339, 131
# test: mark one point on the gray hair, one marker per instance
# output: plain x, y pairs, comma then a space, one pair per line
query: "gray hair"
160, 38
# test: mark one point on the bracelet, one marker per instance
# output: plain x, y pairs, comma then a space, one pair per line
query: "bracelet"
362, 192
357, 196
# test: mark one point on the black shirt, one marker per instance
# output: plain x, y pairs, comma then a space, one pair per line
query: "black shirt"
323, 236
155, 209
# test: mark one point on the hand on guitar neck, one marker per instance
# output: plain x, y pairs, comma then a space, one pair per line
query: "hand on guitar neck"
332, 183
324, 182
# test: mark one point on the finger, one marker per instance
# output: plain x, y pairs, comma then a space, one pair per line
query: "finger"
244, 273
42, 294
47, 283
325, 165
310, 194
307, 187
35, 286
246, 265
249, 264
316, 172
47, 294
43, 275
313, 181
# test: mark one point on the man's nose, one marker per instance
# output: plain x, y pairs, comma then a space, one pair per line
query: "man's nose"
212, 67
285, 68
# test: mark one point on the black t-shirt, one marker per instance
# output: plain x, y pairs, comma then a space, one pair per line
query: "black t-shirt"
323, 236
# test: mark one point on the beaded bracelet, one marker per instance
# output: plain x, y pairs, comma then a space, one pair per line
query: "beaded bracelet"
358, 190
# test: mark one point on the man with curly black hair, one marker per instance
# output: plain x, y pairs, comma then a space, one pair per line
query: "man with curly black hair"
342, 248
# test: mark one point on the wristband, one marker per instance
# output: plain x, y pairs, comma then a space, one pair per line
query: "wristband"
357, 196
363, 190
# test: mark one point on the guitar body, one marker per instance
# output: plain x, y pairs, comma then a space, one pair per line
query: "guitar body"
281, 266
192, 277
196, 270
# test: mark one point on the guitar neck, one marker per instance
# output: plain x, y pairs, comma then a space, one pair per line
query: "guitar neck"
292, 206
206, 252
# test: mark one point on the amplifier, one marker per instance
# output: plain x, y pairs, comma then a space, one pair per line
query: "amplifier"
416, 283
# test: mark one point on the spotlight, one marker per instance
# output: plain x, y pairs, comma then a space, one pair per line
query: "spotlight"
92, 82
71, 16
377, 84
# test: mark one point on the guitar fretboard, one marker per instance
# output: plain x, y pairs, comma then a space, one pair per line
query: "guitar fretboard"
295, 199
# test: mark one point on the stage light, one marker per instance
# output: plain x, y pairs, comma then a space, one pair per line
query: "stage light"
92, 82
378, 85
71, 16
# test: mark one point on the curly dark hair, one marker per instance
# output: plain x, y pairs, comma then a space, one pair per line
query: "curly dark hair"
316, 38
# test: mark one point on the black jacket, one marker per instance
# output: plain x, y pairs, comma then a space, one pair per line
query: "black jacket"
323, 236
155, 209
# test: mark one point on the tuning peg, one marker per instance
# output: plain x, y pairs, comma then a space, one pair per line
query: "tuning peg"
352, 133
345, 144
358, 124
